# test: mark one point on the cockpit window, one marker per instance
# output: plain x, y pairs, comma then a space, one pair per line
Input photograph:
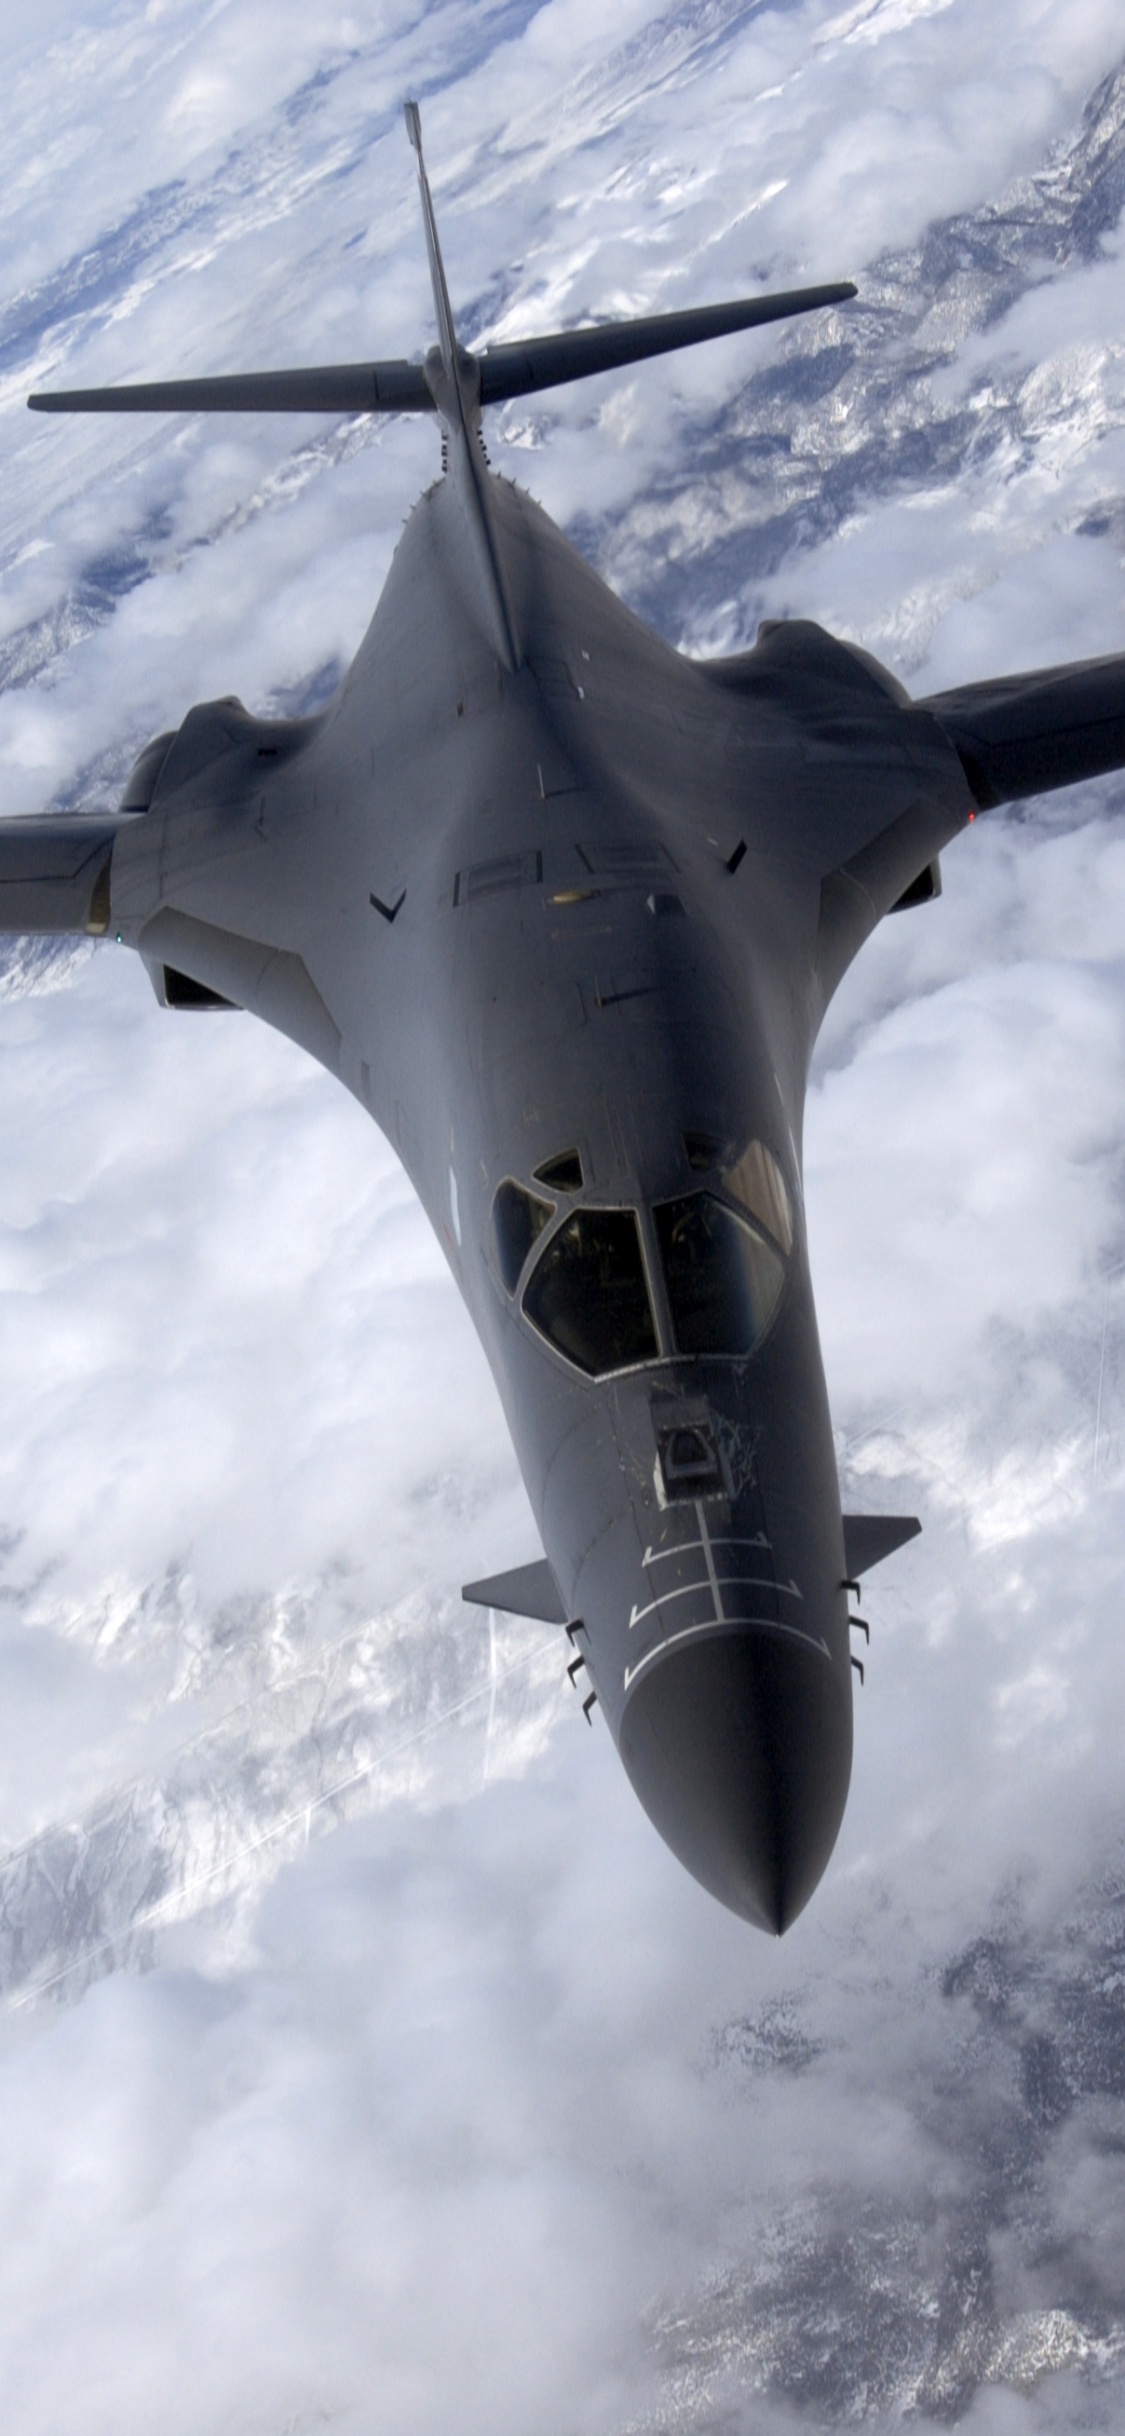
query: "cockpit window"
562, 1174
587, 1293
702, 1150
758, 1183
518, 1217
724, 1280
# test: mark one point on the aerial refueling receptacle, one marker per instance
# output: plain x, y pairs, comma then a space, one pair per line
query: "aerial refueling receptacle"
569, 935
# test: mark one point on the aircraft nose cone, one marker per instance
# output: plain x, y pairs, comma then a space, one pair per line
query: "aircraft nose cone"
739, 1746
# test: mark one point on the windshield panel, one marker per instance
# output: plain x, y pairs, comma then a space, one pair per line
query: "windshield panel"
758, 1183
517, 1218
724, 1280
562, 1174
588, 1295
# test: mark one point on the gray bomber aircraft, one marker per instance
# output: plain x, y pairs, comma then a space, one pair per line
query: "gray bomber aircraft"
564, 909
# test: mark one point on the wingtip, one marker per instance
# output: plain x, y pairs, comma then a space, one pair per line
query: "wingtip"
412, 115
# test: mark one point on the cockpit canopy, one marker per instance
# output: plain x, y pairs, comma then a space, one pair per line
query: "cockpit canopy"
723, 1279
588, 1293
718, 1254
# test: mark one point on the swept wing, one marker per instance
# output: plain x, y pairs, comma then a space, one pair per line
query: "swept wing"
1024, 735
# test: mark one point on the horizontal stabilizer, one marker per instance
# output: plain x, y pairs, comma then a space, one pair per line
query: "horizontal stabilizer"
54, 874
508, 371
1024, 735
868, 1538
395, 388
529, 1590
511, 371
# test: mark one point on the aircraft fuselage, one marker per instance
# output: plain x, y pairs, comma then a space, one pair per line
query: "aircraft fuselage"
583, 917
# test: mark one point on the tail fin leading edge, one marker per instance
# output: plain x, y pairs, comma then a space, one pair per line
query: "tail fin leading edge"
447, 335
454, 384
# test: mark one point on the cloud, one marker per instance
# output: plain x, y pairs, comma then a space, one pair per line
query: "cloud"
951, 1163
376, 2164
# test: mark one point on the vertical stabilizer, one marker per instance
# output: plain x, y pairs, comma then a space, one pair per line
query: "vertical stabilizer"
453, 377
447, 335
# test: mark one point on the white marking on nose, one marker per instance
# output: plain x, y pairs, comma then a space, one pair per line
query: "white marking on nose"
724, 1581
712, 1576
656, 1556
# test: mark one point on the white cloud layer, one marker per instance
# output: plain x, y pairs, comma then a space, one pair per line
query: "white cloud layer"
475, 2112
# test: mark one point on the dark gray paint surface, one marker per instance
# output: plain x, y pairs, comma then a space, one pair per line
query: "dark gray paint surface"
531, 884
